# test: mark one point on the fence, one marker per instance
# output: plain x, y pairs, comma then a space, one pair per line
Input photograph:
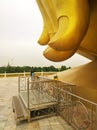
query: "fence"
25, 74
77, 111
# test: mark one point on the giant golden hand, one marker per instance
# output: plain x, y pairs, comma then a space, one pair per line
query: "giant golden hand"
65, 25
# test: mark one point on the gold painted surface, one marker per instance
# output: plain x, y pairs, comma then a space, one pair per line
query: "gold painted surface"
69, 26
89, 43
85, 79
74, 29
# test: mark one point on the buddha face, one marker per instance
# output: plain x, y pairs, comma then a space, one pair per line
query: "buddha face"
66, 27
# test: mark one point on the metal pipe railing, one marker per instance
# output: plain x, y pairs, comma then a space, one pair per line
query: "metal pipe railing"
69, 106
28, 92
89, 108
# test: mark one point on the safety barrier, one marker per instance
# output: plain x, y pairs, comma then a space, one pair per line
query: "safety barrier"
25, 74
77, 111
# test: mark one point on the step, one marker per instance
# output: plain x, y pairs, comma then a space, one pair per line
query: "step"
18, 108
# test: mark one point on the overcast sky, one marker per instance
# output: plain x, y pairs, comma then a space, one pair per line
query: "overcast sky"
20, 27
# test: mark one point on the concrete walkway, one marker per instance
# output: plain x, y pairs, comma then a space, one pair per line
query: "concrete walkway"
9, 88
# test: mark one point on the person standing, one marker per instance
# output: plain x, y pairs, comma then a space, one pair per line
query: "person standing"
32, 72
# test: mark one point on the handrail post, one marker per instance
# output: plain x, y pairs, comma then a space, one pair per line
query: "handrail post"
29, 118
28, 91
25, 83
5, 74
19, 84
24, 73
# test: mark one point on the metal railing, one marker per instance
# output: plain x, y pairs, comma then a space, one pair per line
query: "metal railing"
4, 75
77, 111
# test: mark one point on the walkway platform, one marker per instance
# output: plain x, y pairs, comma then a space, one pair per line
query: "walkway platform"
40, 106
8, 88
37, 98
43, 98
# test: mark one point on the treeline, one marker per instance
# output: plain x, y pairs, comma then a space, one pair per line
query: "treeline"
18, 69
